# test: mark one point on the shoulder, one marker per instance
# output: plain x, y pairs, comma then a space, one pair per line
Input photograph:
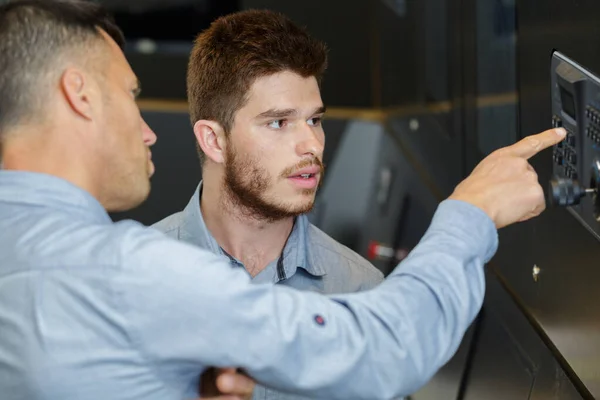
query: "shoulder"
138, 240
331, 254
170, 225
146, 254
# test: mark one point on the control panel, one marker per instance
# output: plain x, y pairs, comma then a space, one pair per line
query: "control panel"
576, 160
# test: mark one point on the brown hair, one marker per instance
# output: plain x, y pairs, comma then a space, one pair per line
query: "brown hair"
239, 48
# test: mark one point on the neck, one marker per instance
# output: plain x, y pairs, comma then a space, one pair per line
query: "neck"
254, 242
43, 150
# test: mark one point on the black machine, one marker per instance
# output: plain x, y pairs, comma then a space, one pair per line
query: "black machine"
576, 107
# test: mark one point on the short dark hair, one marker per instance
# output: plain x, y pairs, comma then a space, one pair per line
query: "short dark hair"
239, 48
34, 34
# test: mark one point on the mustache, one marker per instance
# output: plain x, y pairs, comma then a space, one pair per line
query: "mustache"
303, 164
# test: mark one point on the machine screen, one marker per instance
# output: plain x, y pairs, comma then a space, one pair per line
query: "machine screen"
568, 103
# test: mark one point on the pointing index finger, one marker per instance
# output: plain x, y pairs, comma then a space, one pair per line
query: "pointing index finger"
531, 145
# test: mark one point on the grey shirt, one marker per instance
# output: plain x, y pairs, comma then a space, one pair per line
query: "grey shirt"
311, 260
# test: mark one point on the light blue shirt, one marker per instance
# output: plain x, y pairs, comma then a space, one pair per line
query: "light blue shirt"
311, 260
91, 309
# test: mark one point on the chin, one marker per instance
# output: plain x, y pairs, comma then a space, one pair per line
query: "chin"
130, 198
143, 195
302, 207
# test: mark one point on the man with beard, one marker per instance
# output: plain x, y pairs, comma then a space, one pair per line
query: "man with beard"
253, 85
255, 104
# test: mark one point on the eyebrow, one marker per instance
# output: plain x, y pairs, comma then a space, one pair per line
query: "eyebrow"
287, 112
320, 110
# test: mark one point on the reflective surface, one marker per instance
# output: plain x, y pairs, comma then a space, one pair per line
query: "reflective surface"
563, 299
510, 360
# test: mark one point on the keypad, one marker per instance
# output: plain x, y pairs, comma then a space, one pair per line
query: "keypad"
592, 129
565, 152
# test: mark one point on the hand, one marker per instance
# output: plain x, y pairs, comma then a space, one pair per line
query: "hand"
504, 185
225, 384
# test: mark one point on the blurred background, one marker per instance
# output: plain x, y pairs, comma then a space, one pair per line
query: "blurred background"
418, 92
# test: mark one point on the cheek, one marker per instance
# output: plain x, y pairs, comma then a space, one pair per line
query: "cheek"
265, 154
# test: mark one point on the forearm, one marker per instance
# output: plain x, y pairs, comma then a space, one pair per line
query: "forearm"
391, 340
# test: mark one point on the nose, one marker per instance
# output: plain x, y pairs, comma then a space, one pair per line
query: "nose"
148, 134
312, 142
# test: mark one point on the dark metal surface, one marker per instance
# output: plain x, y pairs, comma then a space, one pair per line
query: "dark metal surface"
552, 383
397, 68
499, 370
162, 73
561, 301
546, 344
510, 359
173, 20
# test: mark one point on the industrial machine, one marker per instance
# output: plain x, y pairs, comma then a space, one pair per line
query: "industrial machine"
576, 107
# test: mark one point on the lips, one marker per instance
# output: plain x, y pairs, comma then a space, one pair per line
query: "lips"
306, 173
306, 178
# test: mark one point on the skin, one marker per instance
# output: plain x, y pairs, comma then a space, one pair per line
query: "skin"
251, 191
504, 185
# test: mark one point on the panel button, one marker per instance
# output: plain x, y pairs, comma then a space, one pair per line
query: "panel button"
558, 157
556, 122
570, 139
572, 158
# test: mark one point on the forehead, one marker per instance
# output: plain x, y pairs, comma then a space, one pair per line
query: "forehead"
284, 90
118, 62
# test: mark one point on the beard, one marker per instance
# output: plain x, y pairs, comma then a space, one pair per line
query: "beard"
246, 182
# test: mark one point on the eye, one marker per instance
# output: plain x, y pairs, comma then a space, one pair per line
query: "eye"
315, 121
277, 124
136, 92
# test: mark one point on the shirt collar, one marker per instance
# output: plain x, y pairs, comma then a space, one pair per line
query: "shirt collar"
296, 254
194, 229
297, 251
45, 190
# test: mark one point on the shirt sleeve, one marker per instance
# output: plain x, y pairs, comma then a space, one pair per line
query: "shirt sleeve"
188, 309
